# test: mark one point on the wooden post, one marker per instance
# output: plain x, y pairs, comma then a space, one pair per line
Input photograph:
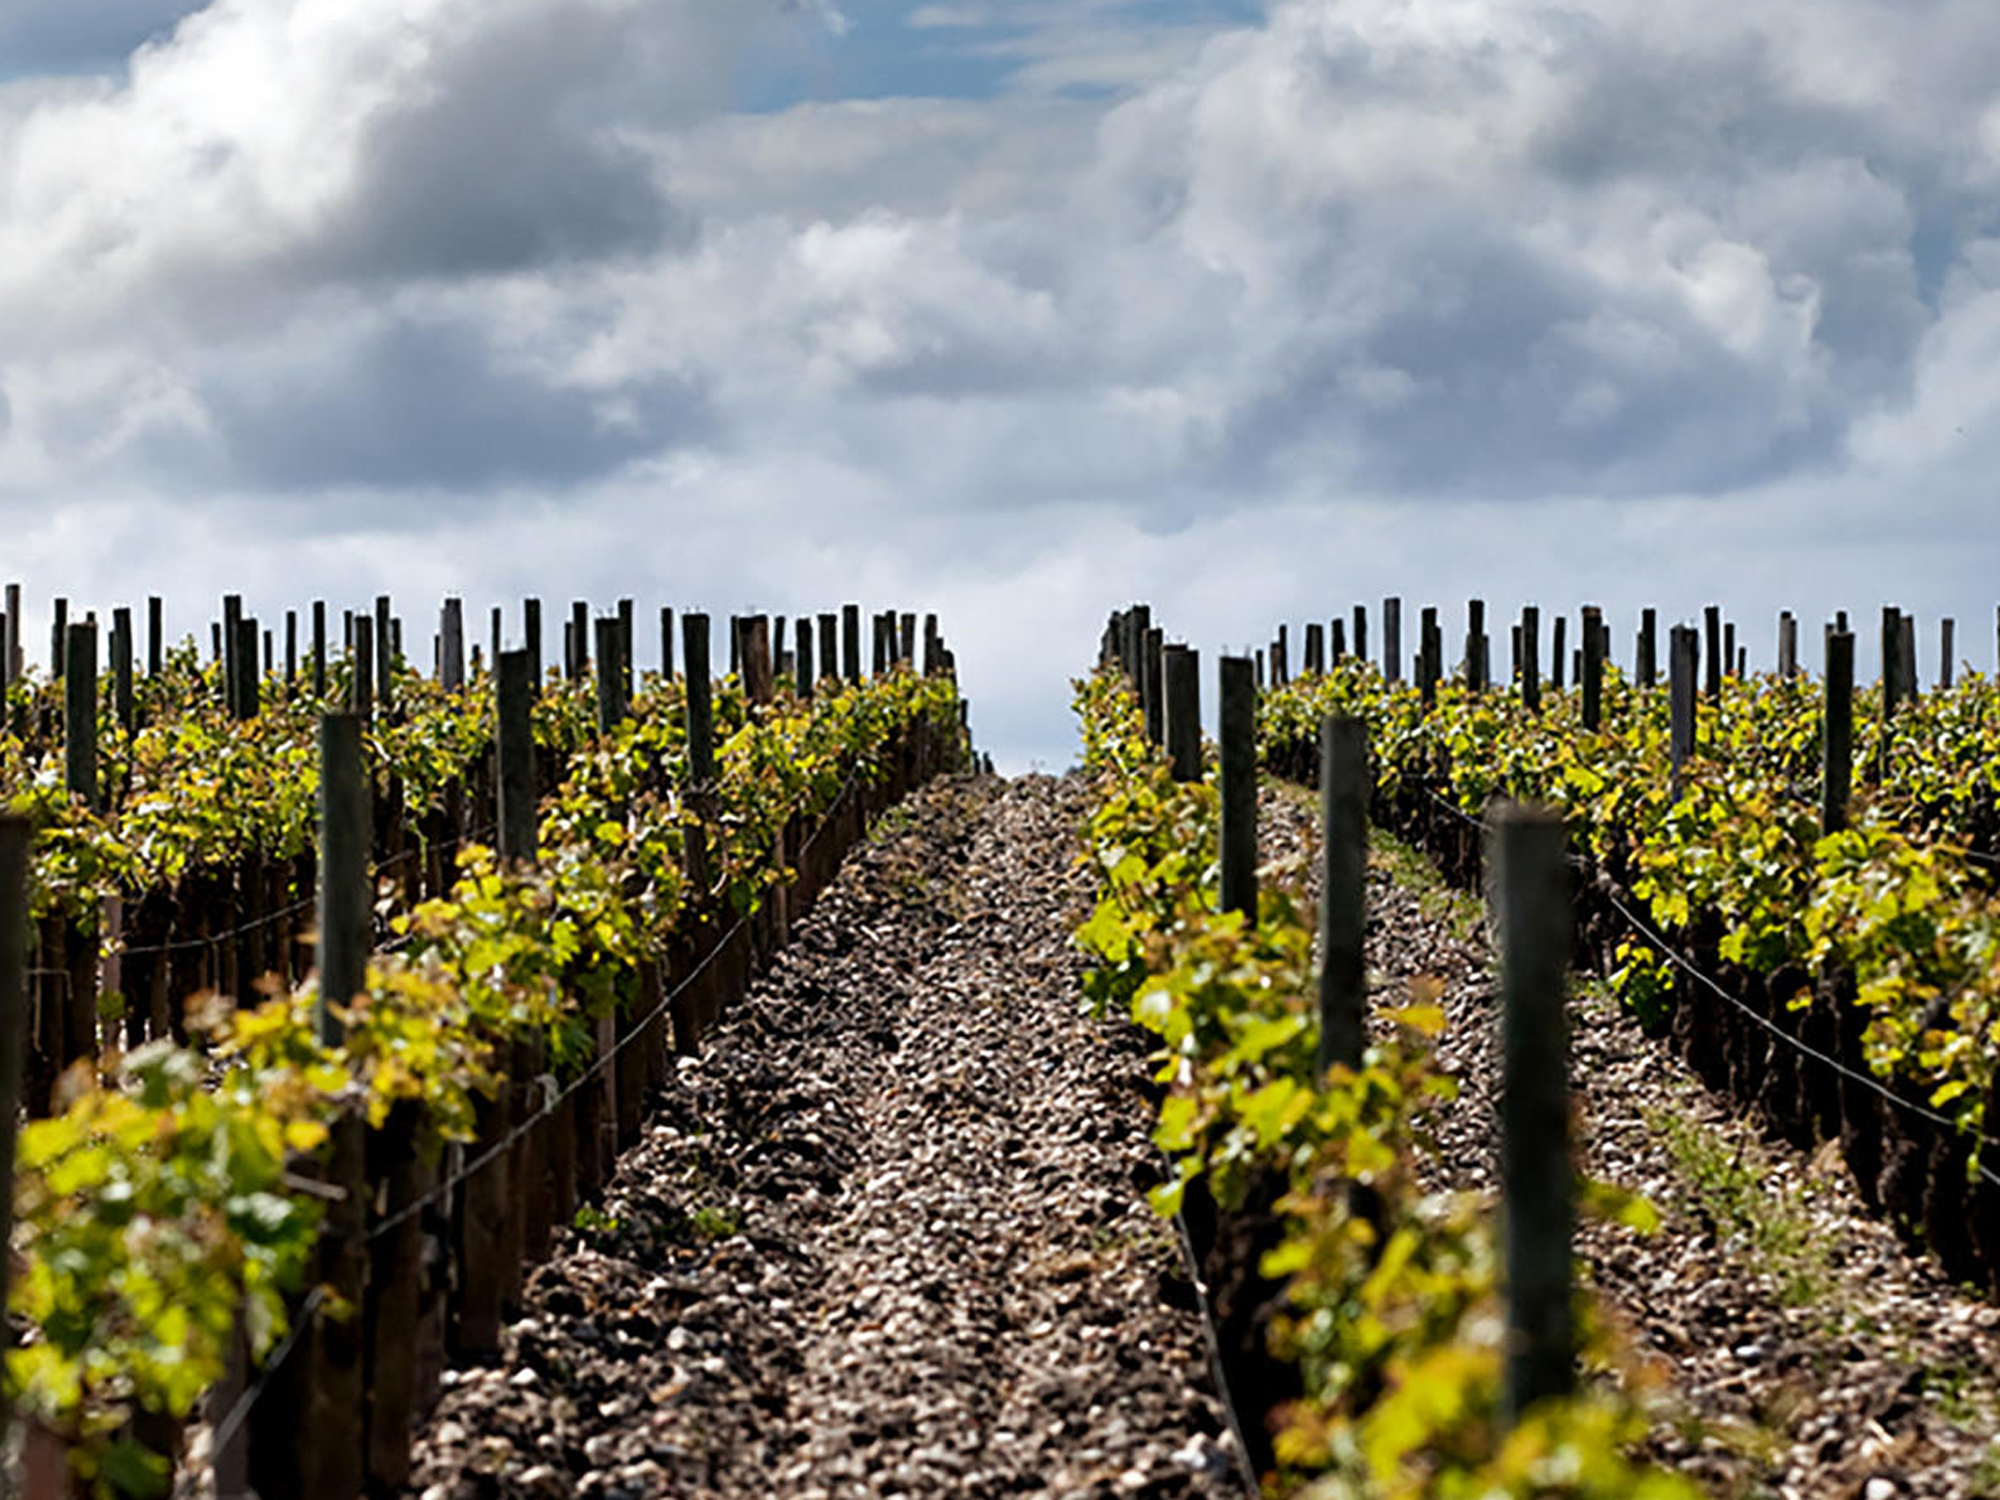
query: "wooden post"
1729, 648
385, 654
1430, 658
1649, 648
759, 681
319, 650
579, 620
514, 740
1181, 674
804, 660
1593, 667
1712, 626
609, 676
15, 664
1361, 631
1837, 755
700, 703
850, 642
1392, 638
1912, 688
1155, 687
16, 841
1281, 659
1238, 742
829, 647
230, 652
1526, 847
495, 631
121, 672
1557, 655
361, 685
1531, 658
451, 646
1345, 784
1475, 645
1336, 638
80, 713
344, 894
1946, 664
531, 638
908, 655
1788, 646
1681, 648
627, 659
1315, 647
666, 643
248, 689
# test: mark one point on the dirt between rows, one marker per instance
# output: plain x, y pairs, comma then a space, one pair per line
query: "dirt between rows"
1802, 1350
887, 1236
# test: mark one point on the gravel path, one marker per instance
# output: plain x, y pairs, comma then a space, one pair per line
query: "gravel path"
887, 1237
1805, 1352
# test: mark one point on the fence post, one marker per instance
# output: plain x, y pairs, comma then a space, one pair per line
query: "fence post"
121, 669
1946, 666
385, 654
1648, 664
1527, 847
1238, 743
1531, 658
1155, 688
700, 700
627, 653
344, 896
1593, 667
1475, 645
531, 638
1680, 698
1392, 638
319, 649
803, 659
850, 642
1181, 668
1557, 656
1712, 626
1838, 748
515, 738
80, 712
451, 633
1344, 784
609, 675
759, 683
361, 683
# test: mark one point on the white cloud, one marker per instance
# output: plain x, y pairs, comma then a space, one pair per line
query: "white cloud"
1369, 279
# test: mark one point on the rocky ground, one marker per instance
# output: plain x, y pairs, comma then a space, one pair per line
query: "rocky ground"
887, 1237
1804, 1351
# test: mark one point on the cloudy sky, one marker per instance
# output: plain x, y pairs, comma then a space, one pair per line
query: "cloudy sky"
1011, 310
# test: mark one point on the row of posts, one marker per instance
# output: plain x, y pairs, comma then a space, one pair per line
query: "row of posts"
1527, 853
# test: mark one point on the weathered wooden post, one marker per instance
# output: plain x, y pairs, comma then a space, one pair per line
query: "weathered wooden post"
759, 682
802, 672
1430, 656
1475, 645
1593, 667
514, 739
1238, 744
829, 647
700, 700
1181, 669
249, 691
1788, 646
1558, 657
1531, 887
627, 657
15, 663
451, 635
384, 639
1680, 698
344, 894
850, 642
361, 685
1912, 688
1712, 624
531, 639
1392, 638
1648, 665
610, 676
1315, 647
80, 713
1345, 783
1154, 696
1729, 649
1531, 658
1837, 754
1947, 666
319, 650
121, 675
